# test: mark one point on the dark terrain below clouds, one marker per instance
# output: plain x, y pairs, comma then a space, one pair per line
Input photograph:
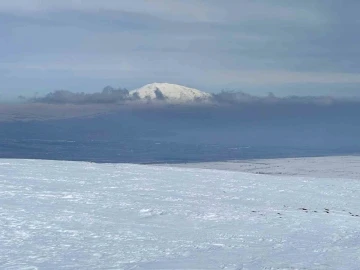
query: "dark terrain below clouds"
223, 106
110, 95
148, 133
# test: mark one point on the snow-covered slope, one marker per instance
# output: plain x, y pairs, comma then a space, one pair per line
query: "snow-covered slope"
171, 93
75, 215
320, 167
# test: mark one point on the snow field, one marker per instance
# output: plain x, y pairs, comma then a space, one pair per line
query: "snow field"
76, 215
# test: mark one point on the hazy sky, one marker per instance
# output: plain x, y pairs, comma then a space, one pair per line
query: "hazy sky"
257, 46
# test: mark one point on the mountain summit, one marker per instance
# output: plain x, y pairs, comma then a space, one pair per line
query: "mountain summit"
172, 93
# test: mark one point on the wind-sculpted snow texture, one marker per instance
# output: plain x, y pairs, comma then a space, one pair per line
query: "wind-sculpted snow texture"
75, 215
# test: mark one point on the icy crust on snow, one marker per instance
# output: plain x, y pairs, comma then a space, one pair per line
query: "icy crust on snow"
76, 215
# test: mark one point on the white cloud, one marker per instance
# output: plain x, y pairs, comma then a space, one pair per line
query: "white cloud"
178, 10
247, 42
138, 67
260, 77
168, 9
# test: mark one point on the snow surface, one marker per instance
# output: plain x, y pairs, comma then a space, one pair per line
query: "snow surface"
76, 215
172, 93
323, 167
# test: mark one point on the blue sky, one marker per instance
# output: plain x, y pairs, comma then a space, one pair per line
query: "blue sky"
283, 46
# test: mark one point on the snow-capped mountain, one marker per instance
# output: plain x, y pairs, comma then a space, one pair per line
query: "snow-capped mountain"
172, 93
